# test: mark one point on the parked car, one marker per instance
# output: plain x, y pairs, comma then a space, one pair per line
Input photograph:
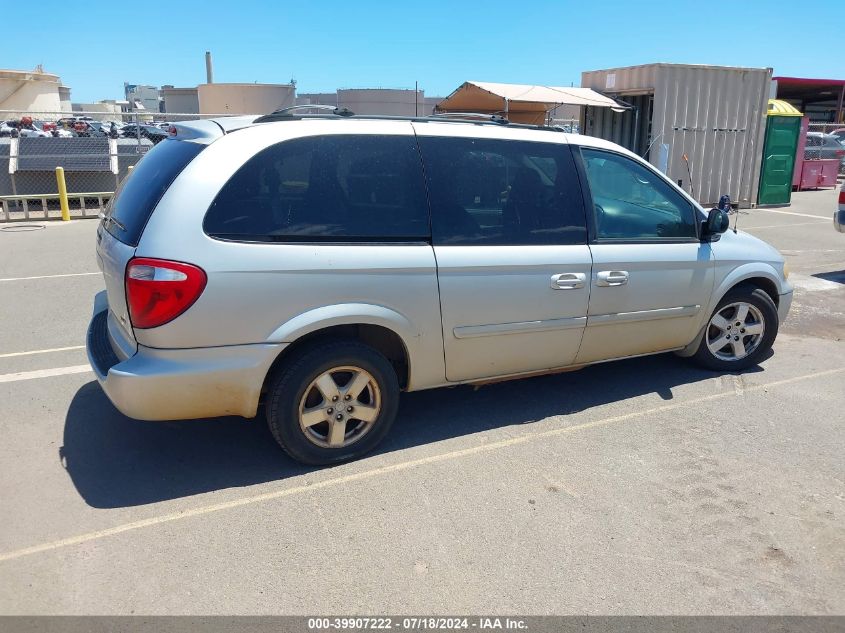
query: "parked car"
824, 146
8, 128
325, 265
840, 134
90, 128
839, 214
68, 121
34, 133
24, 127
51, 129
117, 124
151, 132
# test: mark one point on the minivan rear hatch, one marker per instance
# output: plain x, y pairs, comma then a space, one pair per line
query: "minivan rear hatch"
123, 222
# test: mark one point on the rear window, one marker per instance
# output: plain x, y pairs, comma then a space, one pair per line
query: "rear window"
325, 188
140, 192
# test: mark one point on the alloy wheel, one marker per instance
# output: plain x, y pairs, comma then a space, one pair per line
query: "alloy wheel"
735, 331
339, 407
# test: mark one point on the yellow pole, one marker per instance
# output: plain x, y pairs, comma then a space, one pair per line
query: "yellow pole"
60, 179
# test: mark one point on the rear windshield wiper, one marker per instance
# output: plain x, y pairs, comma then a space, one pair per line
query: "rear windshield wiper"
110, 220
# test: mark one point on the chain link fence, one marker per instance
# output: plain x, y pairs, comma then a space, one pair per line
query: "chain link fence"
95, 149
826, 142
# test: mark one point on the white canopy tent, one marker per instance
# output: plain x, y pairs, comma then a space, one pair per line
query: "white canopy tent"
522, 103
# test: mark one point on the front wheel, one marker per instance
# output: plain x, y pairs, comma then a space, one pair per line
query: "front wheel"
334, 403
740, 332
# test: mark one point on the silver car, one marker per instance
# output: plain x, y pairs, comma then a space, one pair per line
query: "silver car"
324, 264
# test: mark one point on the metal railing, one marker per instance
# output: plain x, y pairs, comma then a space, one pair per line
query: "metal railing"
81, 202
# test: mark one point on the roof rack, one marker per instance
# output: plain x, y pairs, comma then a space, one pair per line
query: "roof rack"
331, 112
495, 117
287, 113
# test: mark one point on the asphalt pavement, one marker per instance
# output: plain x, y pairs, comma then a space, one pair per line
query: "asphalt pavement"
643, 486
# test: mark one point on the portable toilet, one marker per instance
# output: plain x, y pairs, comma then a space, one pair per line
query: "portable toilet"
783, 129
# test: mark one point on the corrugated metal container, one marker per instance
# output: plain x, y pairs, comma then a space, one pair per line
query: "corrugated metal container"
714, 115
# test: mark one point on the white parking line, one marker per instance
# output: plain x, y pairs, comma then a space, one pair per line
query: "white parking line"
309, 488
813, 284
41, 351
44, 373
803, 215
49, 276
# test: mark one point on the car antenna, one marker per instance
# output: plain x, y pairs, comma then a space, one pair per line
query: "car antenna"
725, 205
689, 173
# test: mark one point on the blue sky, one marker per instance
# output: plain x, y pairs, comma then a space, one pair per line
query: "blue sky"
325, 44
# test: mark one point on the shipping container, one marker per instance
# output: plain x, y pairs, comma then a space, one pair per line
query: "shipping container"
715, 116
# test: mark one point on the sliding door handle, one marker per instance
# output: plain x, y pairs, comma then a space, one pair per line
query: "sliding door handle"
563, 281
612, 278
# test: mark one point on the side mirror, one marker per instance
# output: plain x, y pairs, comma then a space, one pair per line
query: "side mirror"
717, 222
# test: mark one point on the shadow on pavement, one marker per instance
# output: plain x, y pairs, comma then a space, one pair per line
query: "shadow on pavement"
115, 461
837, 275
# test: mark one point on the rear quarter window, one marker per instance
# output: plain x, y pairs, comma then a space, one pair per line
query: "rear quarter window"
325, 188
139, 193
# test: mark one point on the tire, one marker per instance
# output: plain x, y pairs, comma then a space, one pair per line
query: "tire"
303, 417
754, 310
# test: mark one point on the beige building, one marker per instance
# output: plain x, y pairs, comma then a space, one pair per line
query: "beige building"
317, 98
244, 98
31, 91
180, 100
384, 101
107, 110
64, 99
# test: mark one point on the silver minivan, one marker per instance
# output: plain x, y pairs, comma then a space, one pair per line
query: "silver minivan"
323, 264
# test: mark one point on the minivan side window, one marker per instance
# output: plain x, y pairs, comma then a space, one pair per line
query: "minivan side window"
632, 202
317, 188
501, 192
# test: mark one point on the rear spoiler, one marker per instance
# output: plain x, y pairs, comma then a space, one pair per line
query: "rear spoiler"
206, 131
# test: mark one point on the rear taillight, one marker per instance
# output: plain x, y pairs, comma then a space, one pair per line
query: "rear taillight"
159, 290
840, 152
842, 195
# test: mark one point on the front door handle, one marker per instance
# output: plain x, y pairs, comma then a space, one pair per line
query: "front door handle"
612, 278
564, 281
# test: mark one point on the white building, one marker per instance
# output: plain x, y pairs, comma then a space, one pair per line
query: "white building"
142, 97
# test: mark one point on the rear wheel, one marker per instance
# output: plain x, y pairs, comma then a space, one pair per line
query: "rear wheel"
334, 403
740, 332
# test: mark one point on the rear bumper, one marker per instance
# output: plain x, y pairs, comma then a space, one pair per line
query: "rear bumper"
839, 220
180, 384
